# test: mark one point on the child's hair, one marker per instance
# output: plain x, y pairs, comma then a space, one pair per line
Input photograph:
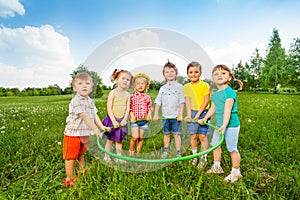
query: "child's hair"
142, 75
117, 72
194, 64
170, 65
224, 67
82, 76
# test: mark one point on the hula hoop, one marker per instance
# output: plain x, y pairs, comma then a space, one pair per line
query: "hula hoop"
168, 160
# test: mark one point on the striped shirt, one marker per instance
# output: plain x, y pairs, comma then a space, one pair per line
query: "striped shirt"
140, 105
75, 124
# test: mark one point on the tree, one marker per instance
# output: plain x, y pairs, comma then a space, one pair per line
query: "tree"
97, 82
240, 72
274, 63
292, 73
255, 67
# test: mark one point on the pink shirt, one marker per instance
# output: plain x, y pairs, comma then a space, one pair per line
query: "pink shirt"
140, 105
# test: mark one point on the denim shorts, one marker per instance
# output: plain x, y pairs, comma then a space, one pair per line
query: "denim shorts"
172, 126
231, 138
140, 124
196, 128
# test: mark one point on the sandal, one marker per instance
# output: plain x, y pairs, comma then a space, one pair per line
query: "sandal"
68, 183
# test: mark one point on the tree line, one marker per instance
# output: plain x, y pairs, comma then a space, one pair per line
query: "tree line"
277, 71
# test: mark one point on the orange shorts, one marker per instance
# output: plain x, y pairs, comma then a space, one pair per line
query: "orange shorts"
74, 146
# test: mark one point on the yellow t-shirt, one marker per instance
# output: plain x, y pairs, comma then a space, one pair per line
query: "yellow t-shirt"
196, 92
119, 105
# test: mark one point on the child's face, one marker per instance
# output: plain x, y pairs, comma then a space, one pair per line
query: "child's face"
169, 74
194, 74
124, 80
221, 77
140, 84
83, 86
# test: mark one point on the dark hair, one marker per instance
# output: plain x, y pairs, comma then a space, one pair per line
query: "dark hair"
194, 64
224, 67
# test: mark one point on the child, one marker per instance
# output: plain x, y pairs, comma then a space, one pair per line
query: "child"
171, 98
224, 104
140, 111
197, 98
82, 121
117, 111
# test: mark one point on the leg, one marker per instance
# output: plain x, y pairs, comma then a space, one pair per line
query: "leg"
177, 138
119, 147
140, 140
134, 138
194, 140
108, 147
80, 160
69, 165
166, 140
204, 142
235, 159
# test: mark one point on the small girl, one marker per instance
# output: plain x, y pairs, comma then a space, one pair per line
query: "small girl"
117, 111
81, 122
170, 97
224, 104
140, 111
197, 97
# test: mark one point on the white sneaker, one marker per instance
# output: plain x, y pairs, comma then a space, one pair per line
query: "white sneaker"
202, 162
195, 161
232, 177
107, 159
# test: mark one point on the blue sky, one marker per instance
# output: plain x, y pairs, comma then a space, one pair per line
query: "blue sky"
42, 41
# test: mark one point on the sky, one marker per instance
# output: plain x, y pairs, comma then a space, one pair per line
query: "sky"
43, 41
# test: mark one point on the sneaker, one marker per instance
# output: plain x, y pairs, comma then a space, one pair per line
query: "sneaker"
202, 162
120, 161
164, 155
215, 170
195, 161
107, 159
232, 177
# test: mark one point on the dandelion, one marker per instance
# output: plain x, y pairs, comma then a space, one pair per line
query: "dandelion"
23, 120
2, 131
59, 143
249, 120
22, 128
45, 129
2, 127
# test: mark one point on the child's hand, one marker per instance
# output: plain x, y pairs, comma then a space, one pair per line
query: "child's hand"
115, 124
132, 119
222, 129
179, 118
123, 122
201, 121
188, 119
156, 117
98, 132
149, 117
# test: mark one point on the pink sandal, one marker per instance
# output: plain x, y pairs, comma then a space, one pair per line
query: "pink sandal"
69, 183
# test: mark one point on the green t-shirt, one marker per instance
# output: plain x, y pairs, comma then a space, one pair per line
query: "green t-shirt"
219, 98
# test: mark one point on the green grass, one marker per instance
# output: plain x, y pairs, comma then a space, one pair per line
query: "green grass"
31, 132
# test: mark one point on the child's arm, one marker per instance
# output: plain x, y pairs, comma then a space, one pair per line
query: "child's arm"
124, 121
110, 113
179, 116
156, 109
149, 114
210, 112
227, 113
188, 109
89, 122
203, 106
99, 124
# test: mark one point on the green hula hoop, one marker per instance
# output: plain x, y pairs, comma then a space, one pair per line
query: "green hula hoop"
168, 160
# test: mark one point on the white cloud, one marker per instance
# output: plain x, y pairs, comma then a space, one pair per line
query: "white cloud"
34, 57
8, 8
235, 52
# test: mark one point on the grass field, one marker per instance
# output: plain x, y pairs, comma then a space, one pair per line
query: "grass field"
31, 133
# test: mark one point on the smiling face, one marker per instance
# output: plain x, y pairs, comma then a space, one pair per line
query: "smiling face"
83, 86
170, 74
194, 74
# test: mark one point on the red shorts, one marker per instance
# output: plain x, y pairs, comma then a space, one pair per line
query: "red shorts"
74, 146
